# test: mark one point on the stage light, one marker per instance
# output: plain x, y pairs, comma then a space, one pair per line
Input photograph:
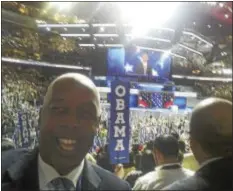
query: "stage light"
145, 15
101, 29
76, 35
61, 5
221, 4
227, 71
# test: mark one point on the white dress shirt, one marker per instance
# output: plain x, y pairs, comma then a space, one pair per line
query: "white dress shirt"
160, 178
144, 64
47, 173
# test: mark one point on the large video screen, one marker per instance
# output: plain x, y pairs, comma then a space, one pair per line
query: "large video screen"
155, 100
138, 62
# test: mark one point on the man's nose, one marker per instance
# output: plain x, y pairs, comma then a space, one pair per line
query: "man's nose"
73, 121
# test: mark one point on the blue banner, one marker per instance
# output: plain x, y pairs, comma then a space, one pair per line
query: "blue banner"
119, 131
24, 129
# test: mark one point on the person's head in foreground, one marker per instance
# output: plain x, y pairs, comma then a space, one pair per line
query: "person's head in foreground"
69, 120
211, 144
166, 150
211, 129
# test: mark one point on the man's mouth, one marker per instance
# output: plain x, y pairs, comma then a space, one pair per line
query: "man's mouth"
66, 144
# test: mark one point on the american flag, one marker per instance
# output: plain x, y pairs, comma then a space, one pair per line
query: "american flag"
144, 99
157, 100
168, 100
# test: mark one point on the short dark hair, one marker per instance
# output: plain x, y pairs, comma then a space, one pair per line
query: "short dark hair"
168, 145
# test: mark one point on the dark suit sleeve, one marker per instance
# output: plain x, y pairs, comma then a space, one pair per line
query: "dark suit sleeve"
110, 181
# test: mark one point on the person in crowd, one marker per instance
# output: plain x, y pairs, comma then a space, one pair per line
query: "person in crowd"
211, 144
142, 66
69, 120
7, 144
168, 169
146, 164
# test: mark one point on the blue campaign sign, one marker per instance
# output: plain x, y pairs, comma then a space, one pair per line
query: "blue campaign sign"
119, 129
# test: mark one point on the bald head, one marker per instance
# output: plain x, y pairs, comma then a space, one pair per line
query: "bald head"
211, 125
77, 80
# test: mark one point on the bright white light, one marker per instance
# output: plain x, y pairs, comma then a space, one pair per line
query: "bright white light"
61, 5
87, 45
145, 15
48, 29
227, 71
221, 4
76, 35
226, 16
128, 68
101, 29
209, 26
154, 73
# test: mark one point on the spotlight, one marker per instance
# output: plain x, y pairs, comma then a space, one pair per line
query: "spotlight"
101, 29
61, 5
221, 4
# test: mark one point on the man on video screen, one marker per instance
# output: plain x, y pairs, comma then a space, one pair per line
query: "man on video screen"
142, 66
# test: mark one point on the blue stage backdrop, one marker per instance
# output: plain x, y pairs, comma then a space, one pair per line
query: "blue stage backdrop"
119, 129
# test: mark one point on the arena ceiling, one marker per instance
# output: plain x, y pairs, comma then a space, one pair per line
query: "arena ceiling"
199, 32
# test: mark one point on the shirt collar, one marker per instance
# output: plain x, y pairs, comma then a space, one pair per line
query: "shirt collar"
209, 161
163, 165
47, 173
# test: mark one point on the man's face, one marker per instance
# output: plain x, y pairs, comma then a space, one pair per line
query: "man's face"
145, 57
68, 125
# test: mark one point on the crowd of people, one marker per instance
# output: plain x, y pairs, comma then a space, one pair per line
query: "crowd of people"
61, 160
28, 44
38, 13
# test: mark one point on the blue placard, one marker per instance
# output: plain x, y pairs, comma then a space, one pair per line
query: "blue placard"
119, 129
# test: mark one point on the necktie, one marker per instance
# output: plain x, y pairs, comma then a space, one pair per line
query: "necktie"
62, 184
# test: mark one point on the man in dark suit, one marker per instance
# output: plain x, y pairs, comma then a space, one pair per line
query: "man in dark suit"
141, 66
211, 144
69, 119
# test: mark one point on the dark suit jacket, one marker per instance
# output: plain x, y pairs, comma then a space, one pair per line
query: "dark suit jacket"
216, 175
140, 70
20, 173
